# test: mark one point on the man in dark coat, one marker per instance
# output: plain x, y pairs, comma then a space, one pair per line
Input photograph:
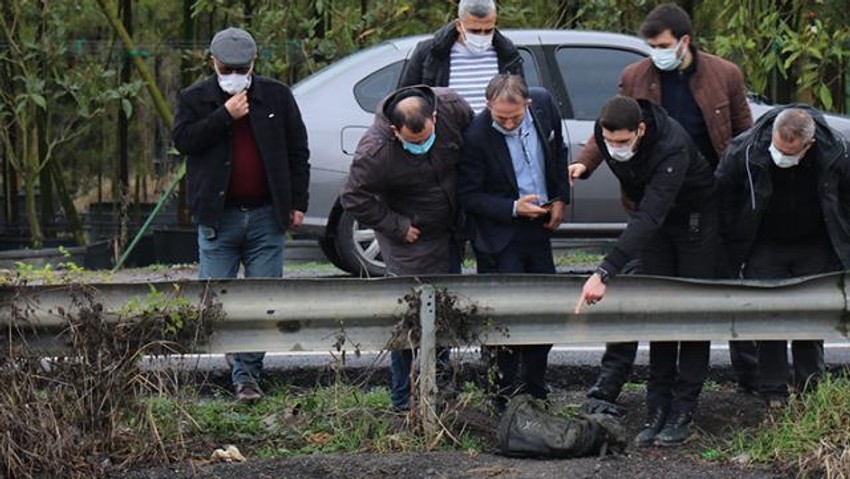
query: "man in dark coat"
513, 186
784, 188
465, 54
248, 173
707, 96
673, 231
403, 184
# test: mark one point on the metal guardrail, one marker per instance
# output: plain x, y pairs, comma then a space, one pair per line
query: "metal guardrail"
306, 314
316, 314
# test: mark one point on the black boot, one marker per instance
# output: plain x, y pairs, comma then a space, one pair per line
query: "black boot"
677, 431
654, 422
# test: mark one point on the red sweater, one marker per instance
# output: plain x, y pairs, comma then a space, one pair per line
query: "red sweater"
248, 175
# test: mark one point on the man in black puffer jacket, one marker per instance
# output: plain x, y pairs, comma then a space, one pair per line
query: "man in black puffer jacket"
464, 54
784, 188
673, 231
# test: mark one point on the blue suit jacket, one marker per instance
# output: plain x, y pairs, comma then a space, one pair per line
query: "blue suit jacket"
487, 184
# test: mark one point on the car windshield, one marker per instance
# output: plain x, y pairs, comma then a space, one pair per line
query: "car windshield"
315, 80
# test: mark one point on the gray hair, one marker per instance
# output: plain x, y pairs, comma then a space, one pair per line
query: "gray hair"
794, 124
476, 8
510, 88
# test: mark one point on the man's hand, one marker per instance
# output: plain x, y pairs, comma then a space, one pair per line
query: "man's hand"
525, 207
574, 172
237, 105
295, 218
592, 292
557, 211
412, 235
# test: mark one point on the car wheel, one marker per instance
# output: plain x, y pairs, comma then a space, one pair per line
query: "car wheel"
358, 249
328, 246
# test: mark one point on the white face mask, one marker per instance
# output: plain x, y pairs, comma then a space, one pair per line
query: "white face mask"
477, 44
782, 160
667, 59
233, 83
621, 153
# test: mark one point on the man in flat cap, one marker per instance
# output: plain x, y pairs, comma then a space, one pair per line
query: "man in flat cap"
248, 173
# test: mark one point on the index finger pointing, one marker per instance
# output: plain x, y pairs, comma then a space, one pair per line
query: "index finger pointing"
581, 303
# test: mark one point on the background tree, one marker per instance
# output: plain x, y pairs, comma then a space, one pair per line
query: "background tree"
62, 100
47, 102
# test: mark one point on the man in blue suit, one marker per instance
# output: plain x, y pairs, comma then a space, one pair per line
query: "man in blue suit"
512, 183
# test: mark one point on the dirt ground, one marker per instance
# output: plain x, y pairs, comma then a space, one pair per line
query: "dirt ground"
722, 411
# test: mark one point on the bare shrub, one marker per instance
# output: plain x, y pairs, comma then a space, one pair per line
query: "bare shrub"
78, 413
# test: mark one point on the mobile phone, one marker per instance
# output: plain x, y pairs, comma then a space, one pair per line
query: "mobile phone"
549, 203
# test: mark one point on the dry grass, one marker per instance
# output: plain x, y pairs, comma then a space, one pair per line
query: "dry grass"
811, 437
79, 414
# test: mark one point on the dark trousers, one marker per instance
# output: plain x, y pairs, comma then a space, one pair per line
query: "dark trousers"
744, 358
685, 249
773, 260
434, 254
521, 369
619, 358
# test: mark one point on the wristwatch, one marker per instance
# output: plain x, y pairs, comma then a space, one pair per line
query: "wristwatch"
603, 273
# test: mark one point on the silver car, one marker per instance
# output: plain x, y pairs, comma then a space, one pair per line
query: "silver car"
580, 68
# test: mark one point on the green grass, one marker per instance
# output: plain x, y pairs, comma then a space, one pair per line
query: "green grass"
577, 257
292, 421
711, 386
634, 387
810, 435
320, 266
66, 272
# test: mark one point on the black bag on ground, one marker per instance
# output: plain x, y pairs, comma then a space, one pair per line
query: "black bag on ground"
526, 430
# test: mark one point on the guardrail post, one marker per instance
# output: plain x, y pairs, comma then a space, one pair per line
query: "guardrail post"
428, 357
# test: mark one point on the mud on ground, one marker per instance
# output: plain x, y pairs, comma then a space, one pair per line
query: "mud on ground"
722, 412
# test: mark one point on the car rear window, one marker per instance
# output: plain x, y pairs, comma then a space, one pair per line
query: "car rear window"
591, 76
372, 89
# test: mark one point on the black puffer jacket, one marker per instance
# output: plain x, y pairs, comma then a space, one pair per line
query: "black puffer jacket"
429, 63
667, 179
745, 185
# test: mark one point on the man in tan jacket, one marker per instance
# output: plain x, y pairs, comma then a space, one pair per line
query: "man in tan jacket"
707, 96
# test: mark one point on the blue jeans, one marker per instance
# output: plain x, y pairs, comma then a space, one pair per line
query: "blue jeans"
250, 237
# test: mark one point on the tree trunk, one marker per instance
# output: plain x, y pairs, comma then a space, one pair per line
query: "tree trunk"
248, 11
31, 160
123, 184
10, 187
45, 185
67, 204
184, 217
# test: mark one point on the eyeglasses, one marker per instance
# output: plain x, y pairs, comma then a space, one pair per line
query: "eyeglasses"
225, 70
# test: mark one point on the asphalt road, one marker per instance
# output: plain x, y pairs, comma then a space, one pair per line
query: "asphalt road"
587, 355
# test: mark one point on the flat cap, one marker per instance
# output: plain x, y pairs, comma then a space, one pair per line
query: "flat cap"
233, 47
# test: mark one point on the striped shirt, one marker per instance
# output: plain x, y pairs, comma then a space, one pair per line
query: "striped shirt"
469, 74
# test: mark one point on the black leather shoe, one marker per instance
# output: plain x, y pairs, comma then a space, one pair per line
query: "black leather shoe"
677, 431
654, 422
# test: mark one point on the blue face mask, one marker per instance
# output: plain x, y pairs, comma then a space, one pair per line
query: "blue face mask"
419, 149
